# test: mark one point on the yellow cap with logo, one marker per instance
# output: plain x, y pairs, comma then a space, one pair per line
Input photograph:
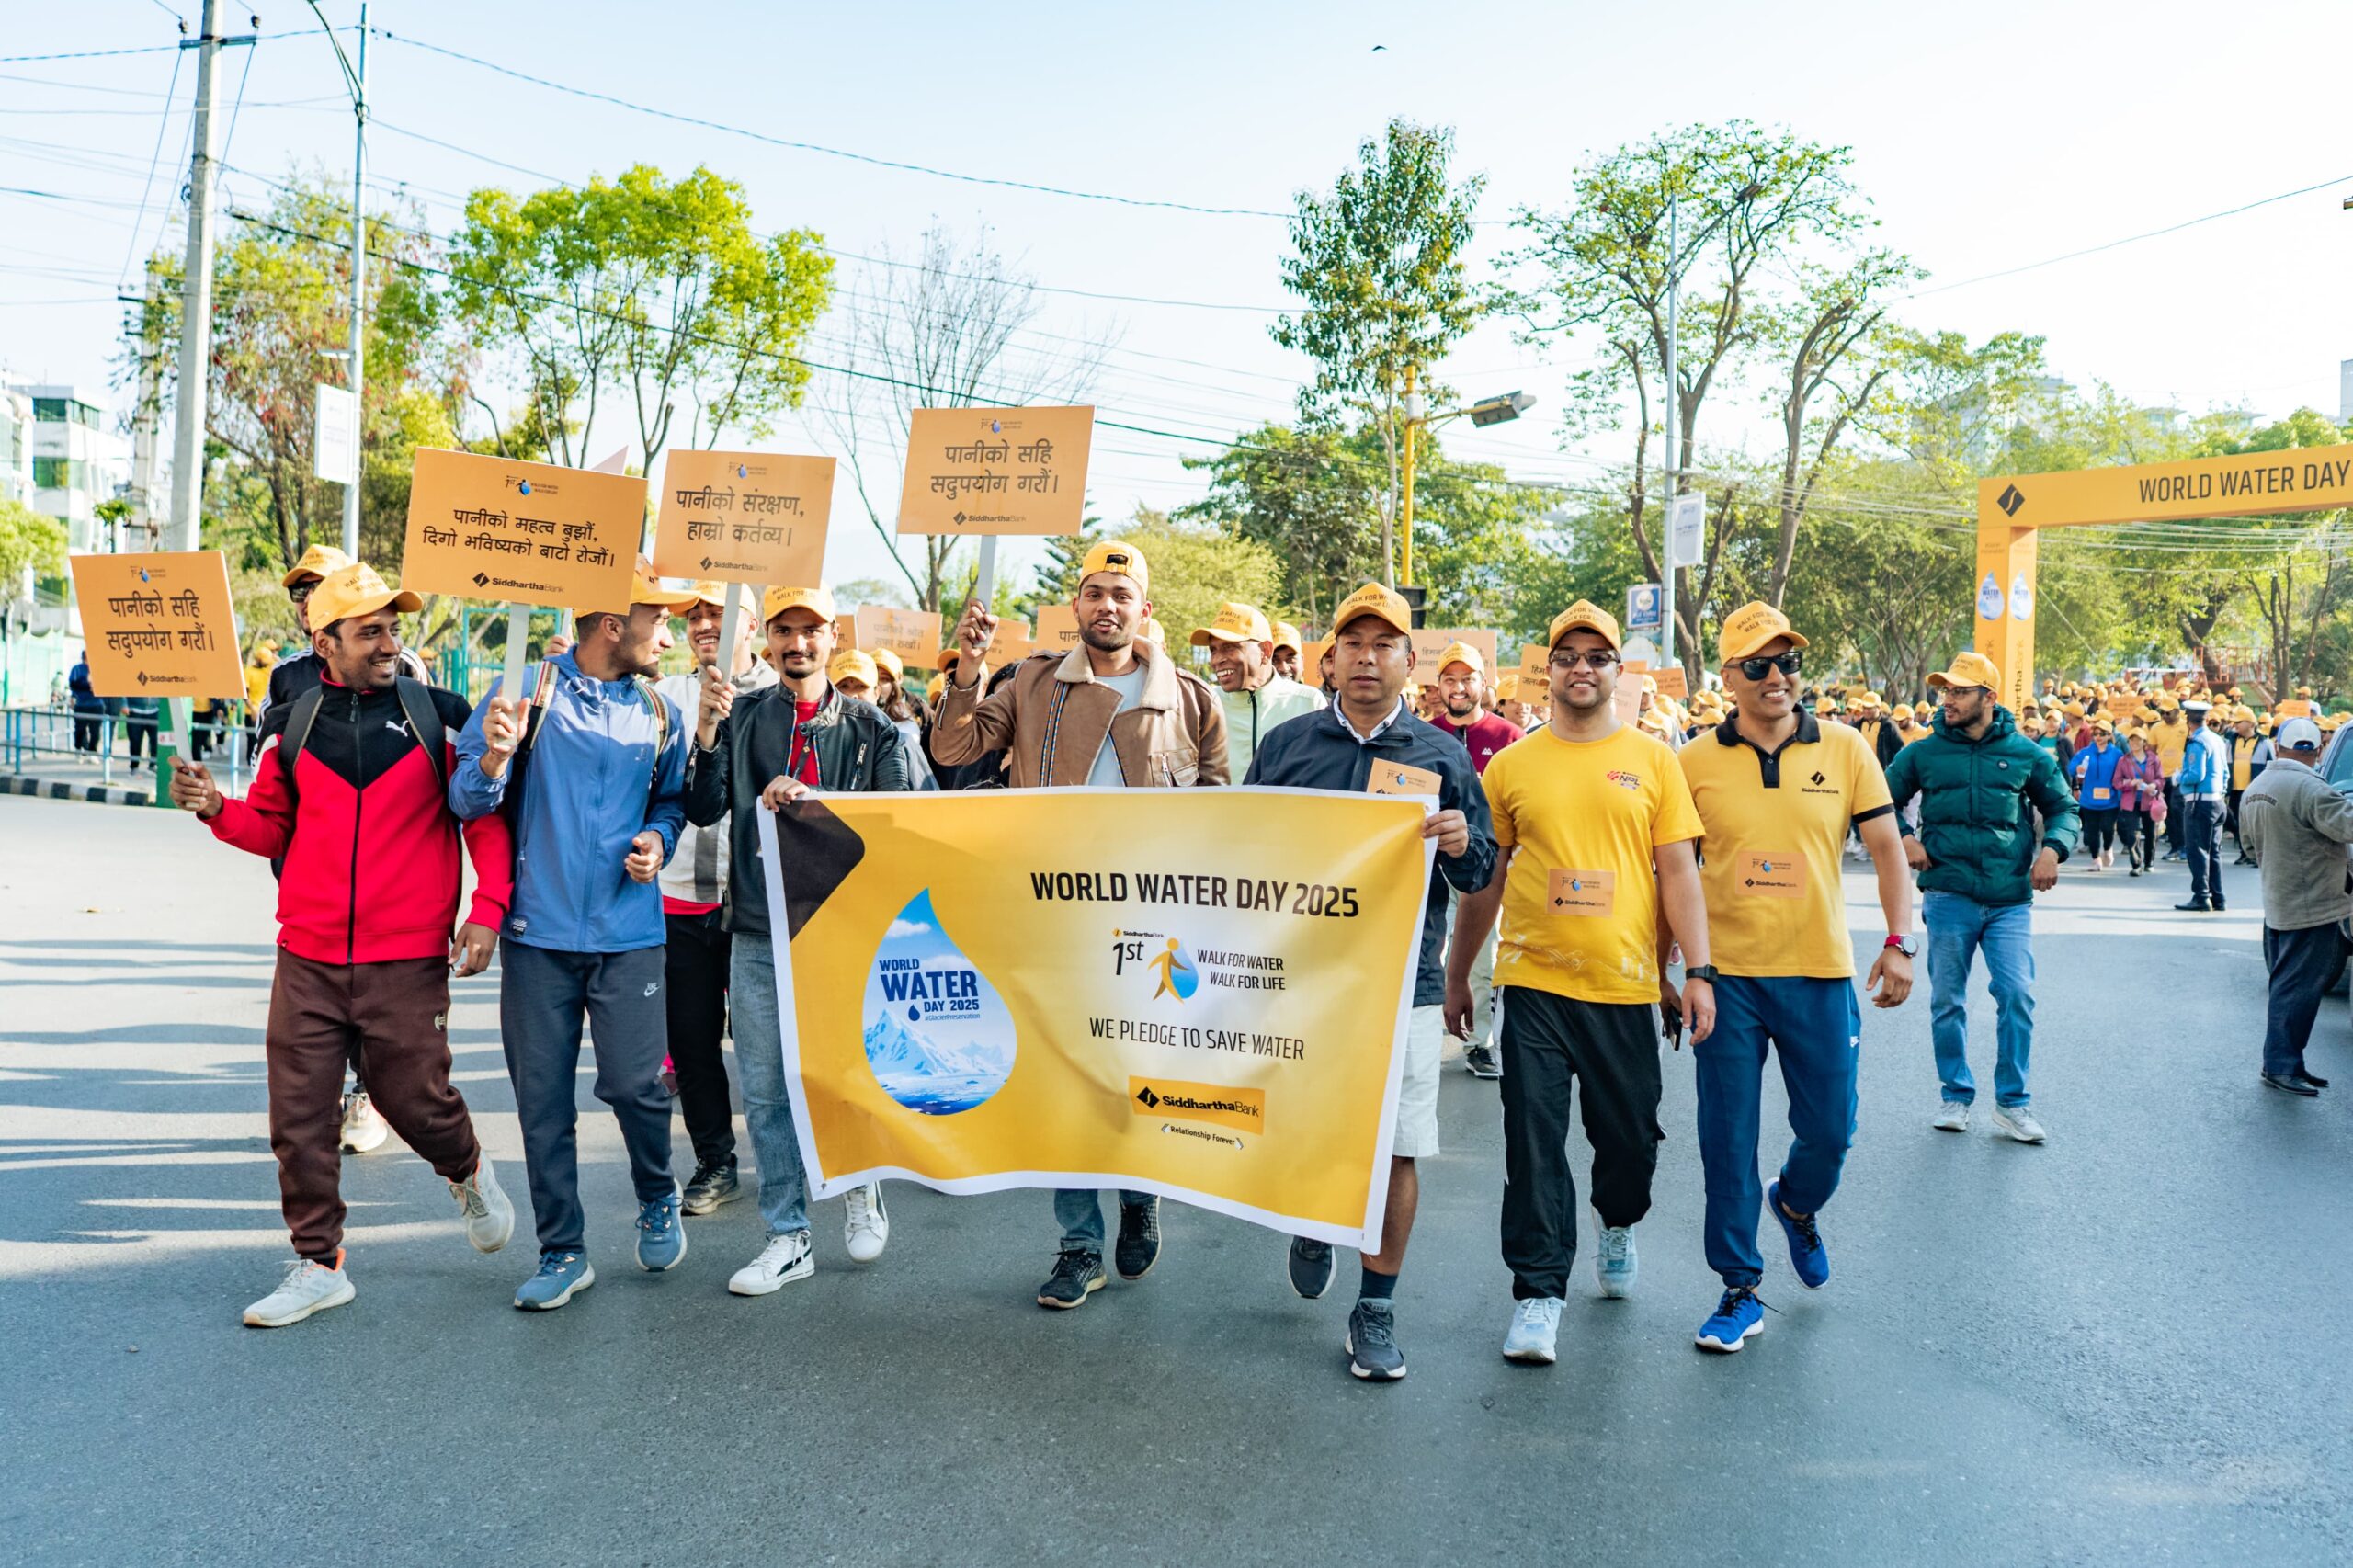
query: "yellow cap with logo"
777, 601
1114, 555
1234, 623
1287, 636
644, 588
1462, 653
354, 590
1751, 627
317, 562
1967, 669
851, 663
1374, 600
1583, 616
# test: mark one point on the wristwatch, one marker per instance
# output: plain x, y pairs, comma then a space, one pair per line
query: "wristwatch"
1908, 946
1706, 971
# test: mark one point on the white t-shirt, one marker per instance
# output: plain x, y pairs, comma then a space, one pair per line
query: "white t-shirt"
1129, 686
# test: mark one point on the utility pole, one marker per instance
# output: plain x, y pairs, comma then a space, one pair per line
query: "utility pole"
196, 300
143, 424
1674, 414
359, 276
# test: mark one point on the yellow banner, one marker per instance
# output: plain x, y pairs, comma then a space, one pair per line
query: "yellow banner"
1063, 988
2304, 479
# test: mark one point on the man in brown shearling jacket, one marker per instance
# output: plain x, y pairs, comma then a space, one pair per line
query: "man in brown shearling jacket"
1111, 712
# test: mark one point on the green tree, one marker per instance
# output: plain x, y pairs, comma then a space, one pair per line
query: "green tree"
31, 544
1303, 494
1379, 265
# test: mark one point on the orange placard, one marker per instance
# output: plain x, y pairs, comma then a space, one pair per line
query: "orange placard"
1535, 659
1310, 663
1432, 640
1671, 682
912, 634
997, 471
844, 632
1009, 648
158, 624
1057, 627
1627, 699
742, 517
490, 528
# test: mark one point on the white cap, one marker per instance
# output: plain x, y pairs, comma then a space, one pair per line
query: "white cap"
2298, 735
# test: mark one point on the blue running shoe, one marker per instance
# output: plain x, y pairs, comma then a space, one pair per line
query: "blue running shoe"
1738, 1317
562, 1275
1807, 1254
661, 1237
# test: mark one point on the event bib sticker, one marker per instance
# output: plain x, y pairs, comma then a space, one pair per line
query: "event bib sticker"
1083, 988
158, 624
1771, 874
490, 527
1397, 779
997, 471
1581, 892
742, 517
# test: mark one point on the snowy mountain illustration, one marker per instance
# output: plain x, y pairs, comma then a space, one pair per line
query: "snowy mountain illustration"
937, 1038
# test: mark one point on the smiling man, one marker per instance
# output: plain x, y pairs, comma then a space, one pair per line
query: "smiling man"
1254, 696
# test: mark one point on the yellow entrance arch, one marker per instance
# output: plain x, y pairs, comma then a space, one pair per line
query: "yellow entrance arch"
2012, 509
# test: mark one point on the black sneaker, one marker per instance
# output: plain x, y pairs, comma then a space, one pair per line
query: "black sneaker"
1311, 1266
2195, 906
1372, 1343
712, 1186
1076, 1276
1139, 1245
1480, 1061
2314, 1079
2293, 1084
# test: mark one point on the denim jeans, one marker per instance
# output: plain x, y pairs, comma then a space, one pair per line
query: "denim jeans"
1958, 929
759, 1064
1079, 1211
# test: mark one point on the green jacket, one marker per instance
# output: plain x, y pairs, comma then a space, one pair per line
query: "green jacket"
1973, 799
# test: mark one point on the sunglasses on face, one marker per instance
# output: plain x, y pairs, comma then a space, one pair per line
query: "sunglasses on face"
1788, 664
301, 592
1569, 659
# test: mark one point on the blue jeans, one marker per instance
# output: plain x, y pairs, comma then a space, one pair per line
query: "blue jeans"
1958, 929
1816, 1026
1079, 1211
759, 1066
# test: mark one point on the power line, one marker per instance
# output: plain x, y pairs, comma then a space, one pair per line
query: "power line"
85, 54
163, 129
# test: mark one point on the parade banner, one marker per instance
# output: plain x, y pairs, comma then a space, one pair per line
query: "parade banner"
158, 624
490, 528
912, 634
997, 471
1198, 992
742, 517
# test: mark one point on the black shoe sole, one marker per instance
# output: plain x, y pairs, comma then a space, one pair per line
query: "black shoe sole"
1058, 1304
2290, 1087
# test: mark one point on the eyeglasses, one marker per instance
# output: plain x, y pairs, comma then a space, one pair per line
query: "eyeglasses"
1569, 658
301, 592
1788, 664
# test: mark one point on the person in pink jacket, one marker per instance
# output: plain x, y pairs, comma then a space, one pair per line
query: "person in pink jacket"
2140, 802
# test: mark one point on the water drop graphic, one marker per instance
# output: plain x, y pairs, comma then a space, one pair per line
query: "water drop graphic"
956, 1048
525, 487
741, 472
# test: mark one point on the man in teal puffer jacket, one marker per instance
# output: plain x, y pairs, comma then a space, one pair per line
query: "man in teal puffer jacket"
1977, 776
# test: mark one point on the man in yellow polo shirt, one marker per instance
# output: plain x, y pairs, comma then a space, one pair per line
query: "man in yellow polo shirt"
2170, 737
1776, 793
1594, 828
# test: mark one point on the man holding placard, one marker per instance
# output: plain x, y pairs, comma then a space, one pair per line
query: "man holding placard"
590, 769
1113, 712
1368, 742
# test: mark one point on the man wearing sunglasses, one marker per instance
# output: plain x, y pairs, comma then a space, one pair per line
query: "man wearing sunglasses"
1977, 775
1777, 791
1594, 829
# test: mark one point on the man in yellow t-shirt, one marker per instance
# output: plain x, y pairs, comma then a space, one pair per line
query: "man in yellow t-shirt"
1776, 793
1593, 828
2169, 736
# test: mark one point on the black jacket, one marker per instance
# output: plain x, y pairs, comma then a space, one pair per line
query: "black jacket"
859, 750
1319, 751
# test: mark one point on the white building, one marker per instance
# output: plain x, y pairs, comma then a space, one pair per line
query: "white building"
77, 463
2345, 392
16, 447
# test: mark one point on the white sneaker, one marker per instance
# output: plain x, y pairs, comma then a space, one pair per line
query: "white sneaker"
489, 1212
1614, 1263
866, 1230
308, 1287
1952, 1116
363, 1129
2019, 1122
785, 1258
1535, 1330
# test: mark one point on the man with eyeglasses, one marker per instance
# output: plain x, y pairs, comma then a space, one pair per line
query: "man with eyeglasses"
1594, 829
1777, 791
1977, 776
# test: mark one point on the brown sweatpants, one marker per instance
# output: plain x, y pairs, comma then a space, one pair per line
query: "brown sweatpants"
392, 1017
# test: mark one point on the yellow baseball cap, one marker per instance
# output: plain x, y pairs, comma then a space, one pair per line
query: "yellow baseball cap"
644, 588
711, 593
1749, 628
1903, 710
2168, 703
1968, 669
1583, 615
2074, 711
851, 663
1234, 623
886, 660
1507, 687
1872, 700
1287, 636
357, 590
776, 601
1378, 602
1462, 653
1113, 555
317, 562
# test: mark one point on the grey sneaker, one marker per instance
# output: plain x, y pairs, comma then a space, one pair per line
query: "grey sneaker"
308, 1287
1535, 1329
2018, 1121
1482, 1061
1952, 1116
1614, 1263
1372, 1343
489, 1212
1312, 1264
710, 1186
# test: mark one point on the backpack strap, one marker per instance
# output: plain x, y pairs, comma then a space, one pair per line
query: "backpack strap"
299, 718
424, 723
511, 802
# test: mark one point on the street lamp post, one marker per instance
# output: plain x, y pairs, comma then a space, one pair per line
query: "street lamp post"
1487, 411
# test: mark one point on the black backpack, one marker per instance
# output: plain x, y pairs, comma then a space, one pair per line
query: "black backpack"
416, 706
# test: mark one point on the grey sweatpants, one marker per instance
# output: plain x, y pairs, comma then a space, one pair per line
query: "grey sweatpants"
543, 996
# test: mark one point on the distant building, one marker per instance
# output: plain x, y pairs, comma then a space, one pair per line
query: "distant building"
2345, 392
16, 447
77, 461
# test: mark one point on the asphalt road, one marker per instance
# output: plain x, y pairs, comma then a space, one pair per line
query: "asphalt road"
2117, 1348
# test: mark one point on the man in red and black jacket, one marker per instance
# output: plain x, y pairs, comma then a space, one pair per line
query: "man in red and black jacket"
349, 791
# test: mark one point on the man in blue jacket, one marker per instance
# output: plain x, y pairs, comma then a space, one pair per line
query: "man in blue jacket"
591, 770
1369, 741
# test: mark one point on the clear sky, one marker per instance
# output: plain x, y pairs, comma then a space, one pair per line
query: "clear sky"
1989, 137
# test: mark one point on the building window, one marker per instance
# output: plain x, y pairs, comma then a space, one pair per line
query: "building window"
57, 473
64, 411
